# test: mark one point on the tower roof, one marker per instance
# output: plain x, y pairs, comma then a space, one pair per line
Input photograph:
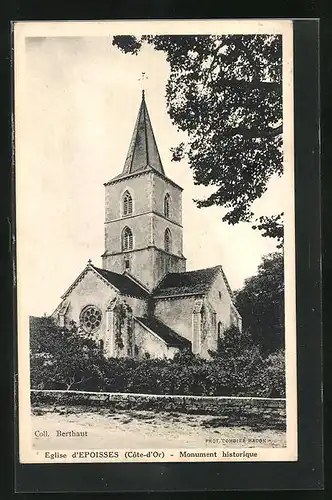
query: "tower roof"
143, 151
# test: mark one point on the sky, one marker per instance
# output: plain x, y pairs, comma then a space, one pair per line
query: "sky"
81, 99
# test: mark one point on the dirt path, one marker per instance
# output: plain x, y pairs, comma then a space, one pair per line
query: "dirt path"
142, 429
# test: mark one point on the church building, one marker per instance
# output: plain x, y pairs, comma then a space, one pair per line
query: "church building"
142, 301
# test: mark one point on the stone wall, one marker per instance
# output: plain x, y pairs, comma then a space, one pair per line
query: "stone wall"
146, 342
147, 265
164, 262
221, 301
255, 412
159, 226
208, 330
140, 188
161, 186
147, 261
177, 314
140, 226
90, 290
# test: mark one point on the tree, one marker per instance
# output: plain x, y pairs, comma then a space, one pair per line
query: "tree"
244, 370
261, 304
225, 92
238, 367
62, 358
276, 373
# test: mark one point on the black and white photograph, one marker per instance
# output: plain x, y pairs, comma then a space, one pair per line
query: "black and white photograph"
155, 241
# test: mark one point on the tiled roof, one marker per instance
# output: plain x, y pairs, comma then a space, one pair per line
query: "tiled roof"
124, 175
141, 171
143, 151
189, 283
163, 331
143, 155
123, 283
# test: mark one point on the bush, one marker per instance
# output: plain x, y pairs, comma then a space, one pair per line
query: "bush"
63, 359
236, 369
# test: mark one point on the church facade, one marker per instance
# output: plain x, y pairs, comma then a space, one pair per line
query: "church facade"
142, 301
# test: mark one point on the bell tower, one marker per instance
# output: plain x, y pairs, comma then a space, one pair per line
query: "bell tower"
143, 212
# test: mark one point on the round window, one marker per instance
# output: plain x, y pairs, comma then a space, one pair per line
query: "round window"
91, 318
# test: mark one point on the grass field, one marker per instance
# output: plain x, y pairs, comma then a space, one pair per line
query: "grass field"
109, 429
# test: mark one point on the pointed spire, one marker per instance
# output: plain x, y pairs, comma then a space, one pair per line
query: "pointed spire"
143, 151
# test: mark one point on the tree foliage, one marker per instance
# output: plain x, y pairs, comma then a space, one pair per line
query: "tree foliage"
276, 373
225, 92
245, 367
62, 358
261, 304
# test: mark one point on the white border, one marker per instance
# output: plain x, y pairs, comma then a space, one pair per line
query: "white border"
110, 28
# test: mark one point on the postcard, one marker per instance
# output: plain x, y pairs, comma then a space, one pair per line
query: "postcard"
155, 241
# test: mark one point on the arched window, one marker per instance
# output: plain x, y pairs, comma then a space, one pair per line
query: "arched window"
101, 345
220, 332
168, 240
127, 203
167, 205
127, 239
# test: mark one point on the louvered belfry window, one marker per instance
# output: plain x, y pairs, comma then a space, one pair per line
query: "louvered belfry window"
167, 202
127, 239
168, 240
127, 203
